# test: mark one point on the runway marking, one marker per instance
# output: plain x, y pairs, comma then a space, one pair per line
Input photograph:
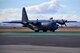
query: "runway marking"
42, 33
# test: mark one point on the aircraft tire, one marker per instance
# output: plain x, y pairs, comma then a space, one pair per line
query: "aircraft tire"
36, 30
53, 30
44, 30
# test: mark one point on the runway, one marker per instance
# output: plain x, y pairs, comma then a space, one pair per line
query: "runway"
36, 49
39, 42
42, 33
63, 39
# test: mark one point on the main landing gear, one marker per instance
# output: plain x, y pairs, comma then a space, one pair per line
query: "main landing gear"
44, 30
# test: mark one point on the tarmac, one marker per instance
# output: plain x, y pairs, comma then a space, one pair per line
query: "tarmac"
40, 42
36, 49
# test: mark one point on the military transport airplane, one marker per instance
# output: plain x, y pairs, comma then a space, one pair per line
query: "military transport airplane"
38, 25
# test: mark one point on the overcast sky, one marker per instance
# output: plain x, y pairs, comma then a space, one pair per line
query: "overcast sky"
40, 9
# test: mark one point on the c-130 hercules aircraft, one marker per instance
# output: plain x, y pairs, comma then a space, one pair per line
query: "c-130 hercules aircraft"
38, 25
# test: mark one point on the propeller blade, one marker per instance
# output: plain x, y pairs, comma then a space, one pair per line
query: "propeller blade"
65, 25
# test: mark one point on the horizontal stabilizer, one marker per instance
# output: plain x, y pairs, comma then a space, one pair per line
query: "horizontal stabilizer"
13, 22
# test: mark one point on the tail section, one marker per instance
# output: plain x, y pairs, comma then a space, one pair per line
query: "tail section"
24, 16
25, 20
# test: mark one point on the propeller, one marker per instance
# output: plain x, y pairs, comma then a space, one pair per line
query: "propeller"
62, 22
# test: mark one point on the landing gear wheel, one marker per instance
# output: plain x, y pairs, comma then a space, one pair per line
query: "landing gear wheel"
36, 30
44, 30
53, 30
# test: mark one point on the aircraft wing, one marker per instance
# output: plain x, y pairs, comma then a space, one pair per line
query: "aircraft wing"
71, 21
12, 22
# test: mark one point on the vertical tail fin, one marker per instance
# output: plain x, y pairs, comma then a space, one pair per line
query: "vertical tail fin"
24, 16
